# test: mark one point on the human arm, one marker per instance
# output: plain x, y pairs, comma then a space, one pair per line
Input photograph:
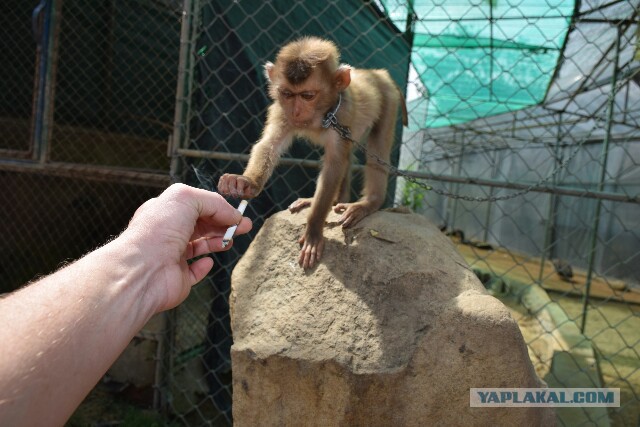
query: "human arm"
60, 334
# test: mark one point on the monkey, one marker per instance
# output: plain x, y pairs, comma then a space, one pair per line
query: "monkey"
305, 82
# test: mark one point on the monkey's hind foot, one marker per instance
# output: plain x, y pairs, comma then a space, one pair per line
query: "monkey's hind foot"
299, 204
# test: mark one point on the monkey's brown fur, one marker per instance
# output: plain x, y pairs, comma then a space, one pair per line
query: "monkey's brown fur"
305, 83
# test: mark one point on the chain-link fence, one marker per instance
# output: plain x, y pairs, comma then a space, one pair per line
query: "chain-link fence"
86, 112
523, 145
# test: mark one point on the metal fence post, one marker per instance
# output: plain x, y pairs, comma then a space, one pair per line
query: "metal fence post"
603, 171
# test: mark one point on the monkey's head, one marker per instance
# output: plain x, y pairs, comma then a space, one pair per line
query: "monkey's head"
306, 79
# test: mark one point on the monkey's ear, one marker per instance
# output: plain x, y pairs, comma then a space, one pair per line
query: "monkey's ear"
343, 77
269, 70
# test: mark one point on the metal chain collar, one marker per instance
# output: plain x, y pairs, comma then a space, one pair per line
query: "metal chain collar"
330, 120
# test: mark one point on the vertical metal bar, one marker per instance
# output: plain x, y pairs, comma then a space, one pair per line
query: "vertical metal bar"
408, 31
164, 376
457, 185
396, 150
494, 173
50, 81
549, 235
448, 210
195, 28
185, 68
165, 363
491, 50
42, 10
604, 154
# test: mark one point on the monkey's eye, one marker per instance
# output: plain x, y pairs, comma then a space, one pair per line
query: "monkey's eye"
308, 96
286, 94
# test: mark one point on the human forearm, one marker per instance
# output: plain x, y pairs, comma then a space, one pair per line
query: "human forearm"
60, 334
87, 313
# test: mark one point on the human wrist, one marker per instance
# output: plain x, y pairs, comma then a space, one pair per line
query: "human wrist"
132, 273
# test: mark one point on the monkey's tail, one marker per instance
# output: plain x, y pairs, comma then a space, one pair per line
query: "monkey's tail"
403, 104
405, 116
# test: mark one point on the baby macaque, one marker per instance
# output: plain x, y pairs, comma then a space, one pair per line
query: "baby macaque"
306, 82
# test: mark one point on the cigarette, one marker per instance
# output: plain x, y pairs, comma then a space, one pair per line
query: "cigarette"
231, 230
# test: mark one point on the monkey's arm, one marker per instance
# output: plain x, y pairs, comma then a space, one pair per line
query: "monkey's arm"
334, 166
264, 158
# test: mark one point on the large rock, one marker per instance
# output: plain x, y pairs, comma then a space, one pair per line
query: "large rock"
392, 328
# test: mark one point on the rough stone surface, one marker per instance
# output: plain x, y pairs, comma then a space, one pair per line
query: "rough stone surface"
392, 328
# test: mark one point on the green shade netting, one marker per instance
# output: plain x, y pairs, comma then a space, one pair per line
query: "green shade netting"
480, 58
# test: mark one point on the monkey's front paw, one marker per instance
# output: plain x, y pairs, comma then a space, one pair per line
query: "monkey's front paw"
299, 204
311, 251
352, 213
237, 186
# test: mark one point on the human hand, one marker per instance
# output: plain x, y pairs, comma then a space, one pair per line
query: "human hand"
180, 224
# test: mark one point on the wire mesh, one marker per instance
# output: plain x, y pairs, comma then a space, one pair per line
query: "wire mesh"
87, 111
580, 248
115, 83
17, 78
121, 83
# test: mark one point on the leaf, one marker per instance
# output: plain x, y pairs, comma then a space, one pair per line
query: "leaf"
376, 234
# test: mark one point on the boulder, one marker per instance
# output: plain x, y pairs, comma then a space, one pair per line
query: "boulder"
391, 328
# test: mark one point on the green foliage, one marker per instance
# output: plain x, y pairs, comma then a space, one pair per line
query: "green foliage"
412, 196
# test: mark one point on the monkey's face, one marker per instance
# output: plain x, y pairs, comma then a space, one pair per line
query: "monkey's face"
305, 104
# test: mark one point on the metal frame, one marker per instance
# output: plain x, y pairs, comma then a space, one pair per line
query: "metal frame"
47, 16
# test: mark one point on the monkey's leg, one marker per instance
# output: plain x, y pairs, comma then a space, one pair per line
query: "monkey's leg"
343, 193
375, 175
375, 185
335, 160
345, 186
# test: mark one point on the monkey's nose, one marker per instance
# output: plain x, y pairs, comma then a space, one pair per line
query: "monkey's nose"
297, 108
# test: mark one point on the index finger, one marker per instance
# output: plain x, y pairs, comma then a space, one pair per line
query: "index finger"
214, 208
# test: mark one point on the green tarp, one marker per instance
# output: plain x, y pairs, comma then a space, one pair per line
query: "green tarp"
481, 58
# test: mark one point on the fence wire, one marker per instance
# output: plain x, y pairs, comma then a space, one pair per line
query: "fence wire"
106, 102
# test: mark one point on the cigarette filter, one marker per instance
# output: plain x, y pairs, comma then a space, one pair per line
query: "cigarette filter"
231, 230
